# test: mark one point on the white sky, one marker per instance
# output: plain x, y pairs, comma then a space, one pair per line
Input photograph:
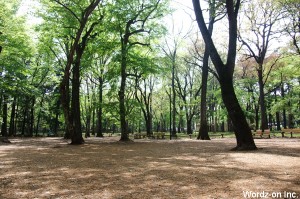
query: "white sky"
181, 16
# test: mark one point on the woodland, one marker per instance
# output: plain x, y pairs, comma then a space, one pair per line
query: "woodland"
100, 67
116, 99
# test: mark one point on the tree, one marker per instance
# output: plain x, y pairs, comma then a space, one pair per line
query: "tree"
262, 17
79, 24
188, 88
132, 23
290, 9
15, 52
225, 73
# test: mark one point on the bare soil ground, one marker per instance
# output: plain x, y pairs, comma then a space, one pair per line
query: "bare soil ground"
106, 168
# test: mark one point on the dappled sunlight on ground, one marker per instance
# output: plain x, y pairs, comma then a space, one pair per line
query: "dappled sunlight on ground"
106, 168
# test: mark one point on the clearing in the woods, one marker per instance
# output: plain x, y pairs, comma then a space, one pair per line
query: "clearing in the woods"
106, 168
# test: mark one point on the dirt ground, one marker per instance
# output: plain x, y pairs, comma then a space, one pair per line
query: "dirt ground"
105, 168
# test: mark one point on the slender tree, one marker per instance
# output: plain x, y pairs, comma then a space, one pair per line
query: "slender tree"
262, 17
132, 23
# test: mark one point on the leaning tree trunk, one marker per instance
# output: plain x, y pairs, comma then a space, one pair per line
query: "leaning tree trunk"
241, 128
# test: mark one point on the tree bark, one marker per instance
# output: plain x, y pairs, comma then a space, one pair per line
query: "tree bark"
76, 138
203, 130
241, 128
189, 129
12, 130
124, 130
39, 116
100, 118
263, 110
173, 96
4, 117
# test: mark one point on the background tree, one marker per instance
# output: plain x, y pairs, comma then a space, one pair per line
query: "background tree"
188, 88
262, 17
16, 51
133, 23
291, 21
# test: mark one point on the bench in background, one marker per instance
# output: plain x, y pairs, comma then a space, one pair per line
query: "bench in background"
291, 131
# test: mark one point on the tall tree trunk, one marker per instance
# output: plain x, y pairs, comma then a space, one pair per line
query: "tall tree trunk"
56, 122
203, 130
149, 126
12, 130
173, 100
23, 128
124, 130
189, 127
39, 116
31, 121
93, 121
100, 118
180, 120
88, 111
4, 116
4, 120
65, 103
241, 128
263, 110
283, 111
290, 117
76, 137
278, 127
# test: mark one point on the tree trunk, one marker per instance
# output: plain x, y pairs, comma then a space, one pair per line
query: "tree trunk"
149, 126
278, 127
173, 101
24, 120
99, 121
290, 117
4, 117
203, 130
88, 111
263, 110
189, 126
31, 121
76, 137
283, 111
39, 116
56, 122
12, 130
124, 130
65, 103
241, 128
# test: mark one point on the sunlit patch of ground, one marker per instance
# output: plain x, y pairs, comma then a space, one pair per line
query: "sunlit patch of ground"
105, 168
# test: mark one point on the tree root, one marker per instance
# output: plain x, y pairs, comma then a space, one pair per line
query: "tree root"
244, 148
